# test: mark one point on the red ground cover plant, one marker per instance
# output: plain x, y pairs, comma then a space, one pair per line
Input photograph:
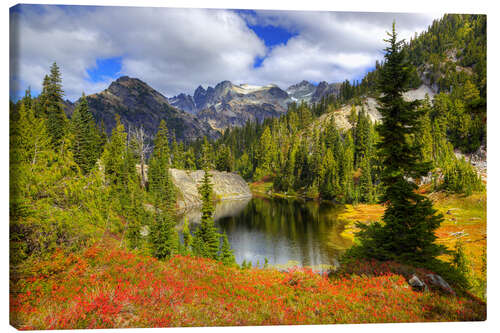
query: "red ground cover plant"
106, 287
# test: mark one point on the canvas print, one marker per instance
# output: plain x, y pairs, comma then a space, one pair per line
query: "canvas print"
225, 167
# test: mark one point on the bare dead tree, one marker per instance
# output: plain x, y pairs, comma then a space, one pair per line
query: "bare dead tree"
141, 147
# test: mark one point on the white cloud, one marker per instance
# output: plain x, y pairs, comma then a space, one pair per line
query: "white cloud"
175, 50
331, 46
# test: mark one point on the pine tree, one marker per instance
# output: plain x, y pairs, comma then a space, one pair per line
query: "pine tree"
40, 106
28, 137
206, 237
346, 169
409, 219
365, 181
188, 239
329, 186
353, 116
226, 254
115, 155
134, 215
160, 181
53, 105
224, 159
424, 137
362, 138
265, 153
85, 145
164, 237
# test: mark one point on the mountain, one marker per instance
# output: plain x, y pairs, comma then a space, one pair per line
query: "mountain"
301, 91
306, 91
138, 104
228, 104
325, 89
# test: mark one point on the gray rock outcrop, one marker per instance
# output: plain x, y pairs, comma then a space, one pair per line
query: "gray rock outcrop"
417, 284
226, 186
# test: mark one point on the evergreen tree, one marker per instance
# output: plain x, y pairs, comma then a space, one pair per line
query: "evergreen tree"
362, 138
188, 239
365, 181
409, 219
224, 159
160, 181
164, 237
134, 215
226, 254
28, 137
86, 140
265, 153
53, 105
41, 107
206, 237
115, 156
329, 187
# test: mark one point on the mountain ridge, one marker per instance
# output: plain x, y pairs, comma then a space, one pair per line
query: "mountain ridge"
138, 104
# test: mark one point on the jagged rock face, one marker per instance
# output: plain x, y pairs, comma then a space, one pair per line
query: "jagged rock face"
140, 105
228, 104
302, 91
324, 89
184, 102
200, 97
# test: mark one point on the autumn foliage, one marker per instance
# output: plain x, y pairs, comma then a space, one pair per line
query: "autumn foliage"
106, 286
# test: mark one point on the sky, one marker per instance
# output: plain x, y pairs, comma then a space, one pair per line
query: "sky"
176, 50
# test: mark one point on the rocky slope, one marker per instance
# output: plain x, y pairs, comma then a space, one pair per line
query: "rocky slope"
226, 186
138, 104
369, 104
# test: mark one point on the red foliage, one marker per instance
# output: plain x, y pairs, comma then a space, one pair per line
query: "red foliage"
109, 287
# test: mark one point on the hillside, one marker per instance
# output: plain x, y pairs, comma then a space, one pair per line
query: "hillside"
106, 286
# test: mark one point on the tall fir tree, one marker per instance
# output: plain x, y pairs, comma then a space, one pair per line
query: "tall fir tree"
159, 179
86, 140
164, 237
226, 255
407, 234
115, 156
206, 238
53, 105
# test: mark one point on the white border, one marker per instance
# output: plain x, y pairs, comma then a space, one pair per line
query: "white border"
449, 6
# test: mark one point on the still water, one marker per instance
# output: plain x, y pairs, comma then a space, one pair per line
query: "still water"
286, 232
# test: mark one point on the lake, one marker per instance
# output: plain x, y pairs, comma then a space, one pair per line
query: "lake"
286, 232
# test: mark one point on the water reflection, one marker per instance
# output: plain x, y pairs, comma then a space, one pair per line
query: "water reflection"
283, 231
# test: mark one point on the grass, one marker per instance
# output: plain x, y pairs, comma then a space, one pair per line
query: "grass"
105, 286
464, 220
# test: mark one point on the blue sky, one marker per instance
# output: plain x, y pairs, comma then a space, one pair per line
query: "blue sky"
176, 50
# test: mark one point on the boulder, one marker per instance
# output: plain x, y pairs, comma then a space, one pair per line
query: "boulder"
439, 283
417, 284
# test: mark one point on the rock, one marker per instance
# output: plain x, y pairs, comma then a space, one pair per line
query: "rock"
438, 282
226, 186
417, 284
